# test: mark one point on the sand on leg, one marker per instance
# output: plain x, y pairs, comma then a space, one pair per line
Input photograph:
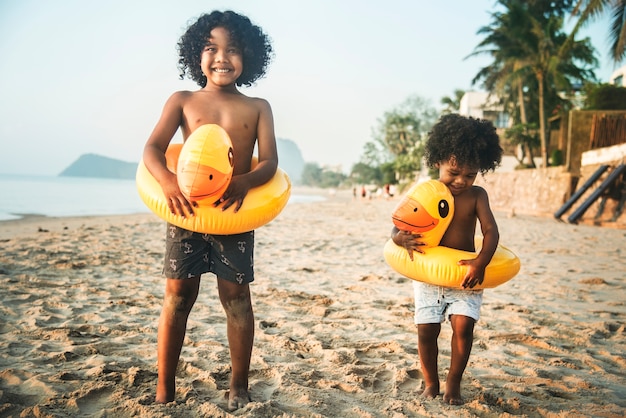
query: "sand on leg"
180, 295
237, 305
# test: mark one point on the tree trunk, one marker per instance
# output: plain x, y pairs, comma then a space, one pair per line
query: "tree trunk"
527, 157
542, 122
522, 106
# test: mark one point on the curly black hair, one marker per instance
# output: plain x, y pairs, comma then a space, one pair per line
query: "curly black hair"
472, 142
255, 46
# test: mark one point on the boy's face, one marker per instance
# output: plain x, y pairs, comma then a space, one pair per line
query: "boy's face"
221, 61
458, 178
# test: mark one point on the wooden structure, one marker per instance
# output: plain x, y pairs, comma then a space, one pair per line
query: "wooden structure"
607, 130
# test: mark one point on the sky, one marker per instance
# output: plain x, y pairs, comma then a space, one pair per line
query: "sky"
81, 77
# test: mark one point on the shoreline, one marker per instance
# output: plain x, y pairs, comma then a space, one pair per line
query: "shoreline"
37, 223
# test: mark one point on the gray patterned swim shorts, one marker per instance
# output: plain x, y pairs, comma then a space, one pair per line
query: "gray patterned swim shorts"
190, 254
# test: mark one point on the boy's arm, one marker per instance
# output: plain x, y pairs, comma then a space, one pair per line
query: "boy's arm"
154, 155
407, 240
265, 169
491, 237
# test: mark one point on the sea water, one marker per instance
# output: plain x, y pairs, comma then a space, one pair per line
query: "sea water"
76, 196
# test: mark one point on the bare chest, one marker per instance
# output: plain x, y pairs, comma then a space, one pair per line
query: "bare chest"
236, 114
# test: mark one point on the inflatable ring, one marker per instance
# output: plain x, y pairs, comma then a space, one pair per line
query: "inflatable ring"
427, 209
261, 205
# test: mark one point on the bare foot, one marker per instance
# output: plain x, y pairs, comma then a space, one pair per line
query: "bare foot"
452, 400
430, 392
452, 396
164, 394
237, 399
163, 401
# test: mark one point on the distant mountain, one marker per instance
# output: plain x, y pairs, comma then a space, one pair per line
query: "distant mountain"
290, 159
93, 165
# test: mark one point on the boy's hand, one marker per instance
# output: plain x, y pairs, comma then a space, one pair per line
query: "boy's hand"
234, 195
475, 273
176, 201
409, 241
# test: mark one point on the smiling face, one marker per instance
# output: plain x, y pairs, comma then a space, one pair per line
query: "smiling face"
457, 178
221, 61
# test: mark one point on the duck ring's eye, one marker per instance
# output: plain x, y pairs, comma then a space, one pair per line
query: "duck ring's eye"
414, 209
444, 208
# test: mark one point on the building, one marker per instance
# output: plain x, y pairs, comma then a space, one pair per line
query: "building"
618, 77
482, 105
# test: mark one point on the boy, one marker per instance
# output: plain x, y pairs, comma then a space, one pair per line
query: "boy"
220, 51
459, 147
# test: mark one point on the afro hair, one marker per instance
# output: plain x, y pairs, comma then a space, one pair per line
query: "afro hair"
255, 46
472, 142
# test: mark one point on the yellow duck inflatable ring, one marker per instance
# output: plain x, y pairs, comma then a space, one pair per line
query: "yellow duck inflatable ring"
427, 209
204, 167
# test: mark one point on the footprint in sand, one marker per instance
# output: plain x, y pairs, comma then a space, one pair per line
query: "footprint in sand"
94, 401
264, 383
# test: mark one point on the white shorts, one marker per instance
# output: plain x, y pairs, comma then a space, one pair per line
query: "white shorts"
434, 303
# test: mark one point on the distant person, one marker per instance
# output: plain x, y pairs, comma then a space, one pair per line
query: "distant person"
220, 51
460, 147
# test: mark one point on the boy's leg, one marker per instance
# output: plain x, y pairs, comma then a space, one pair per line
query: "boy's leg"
237, 304
462, 339
180, 295
428, 351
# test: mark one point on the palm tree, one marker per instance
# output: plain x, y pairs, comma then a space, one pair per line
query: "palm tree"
452, 104
554, 54
588, 10
506, 76
527, 40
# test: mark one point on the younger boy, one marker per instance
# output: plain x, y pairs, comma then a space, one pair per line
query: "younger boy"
459, 147
220, 51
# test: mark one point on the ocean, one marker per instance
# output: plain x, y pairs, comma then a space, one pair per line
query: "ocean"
76, 196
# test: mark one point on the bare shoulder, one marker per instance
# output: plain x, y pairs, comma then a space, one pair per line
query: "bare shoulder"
180, 97
258, 102
184, 93
480, 196
473, 194
479, 193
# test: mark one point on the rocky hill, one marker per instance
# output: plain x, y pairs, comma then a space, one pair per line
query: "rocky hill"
93, 165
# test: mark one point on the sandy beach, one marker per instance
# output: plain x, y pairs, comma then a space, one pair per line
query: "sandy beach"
334, 324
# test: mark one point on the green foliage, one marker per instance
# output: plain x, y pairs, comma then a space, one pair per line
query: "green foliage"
313, 175
605, 97
534, 60
556, 157
374, 154
452, 104
399, 137
397, 147
527, 137
589, 10
406, 165
523, 134
366, 174
332, 179
388, 174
